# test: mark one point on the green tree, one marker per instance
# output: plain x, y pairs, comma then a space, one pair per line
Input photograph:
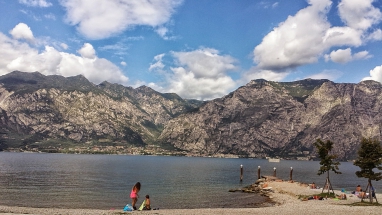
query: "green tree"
327, 161
369, 158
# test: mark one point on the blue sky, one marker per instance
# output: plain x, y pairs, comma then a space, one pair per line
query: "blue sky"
197, 49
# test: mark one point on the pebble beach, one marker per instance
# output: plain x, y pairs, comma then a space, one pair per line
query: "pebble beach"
284, 195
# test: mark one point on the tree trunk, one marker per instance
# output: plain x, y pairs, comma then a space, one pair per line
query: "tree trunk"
328, 184
370, 191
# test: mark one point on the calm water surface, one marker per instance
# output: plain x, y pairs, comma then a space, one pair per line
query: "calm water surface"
105, 181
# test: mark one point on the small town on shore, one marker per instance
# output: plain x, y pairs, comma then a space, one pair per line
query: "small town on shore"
150, 149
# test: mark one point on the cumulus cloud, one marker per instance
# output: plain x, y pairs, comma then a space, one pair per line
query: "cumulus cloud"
87, 51
18, 55
98, 19
375, 74
205, 62
327, 74
345, 55
199, 74
340, 56
376, 35
306, 36
22, 31
342, 36
36, 3
162, 31
255, 73
296, 41
359, 14
123, 63
185, 84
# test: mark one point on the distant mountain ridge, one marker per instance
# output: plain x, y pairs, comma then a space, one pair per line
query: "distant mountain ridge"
261, 119
266, 118
54, 107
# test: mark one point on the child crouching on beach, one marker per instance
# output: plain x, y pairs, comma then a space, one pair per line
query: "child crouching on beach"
147, 203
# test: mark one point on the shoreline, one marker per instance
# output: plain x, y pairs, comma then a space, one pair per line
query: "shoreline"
284, 196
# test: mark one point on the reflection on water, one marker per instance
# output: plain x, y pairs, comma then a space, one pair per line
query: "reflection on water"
105, 181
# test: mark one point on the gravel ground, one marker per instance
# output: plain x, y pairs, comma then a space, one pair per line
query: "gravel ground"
285, 195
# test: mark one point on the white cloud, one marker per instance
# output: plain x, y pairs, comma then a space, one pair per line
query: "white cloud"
185, 84
158, 65
375, 74
305, 37
341, 55
198, 74
18, 55
119, 48
64, 46
205, 62
362, 55
267, 4
376, 35
345, 55
22, 31
327, 74
159, 57
50, 16
296, 41
98, 19
162, 31
254, 73
123, 63
342, 36
96, 70
87, 51
359, 14
36, 3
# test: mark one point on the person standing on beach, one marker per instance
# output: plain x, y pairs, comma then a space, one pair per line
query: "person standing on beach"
134, 194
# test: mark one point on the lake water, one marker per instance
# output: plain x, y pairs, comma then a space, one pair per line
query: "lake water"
105, 181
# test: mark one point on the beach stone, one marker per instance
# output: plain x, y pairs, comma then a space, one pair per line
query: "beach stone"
271, 178
260, 180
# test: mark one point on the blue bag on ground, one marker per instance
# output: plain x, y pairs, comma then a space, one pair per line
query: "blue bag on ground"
128, 207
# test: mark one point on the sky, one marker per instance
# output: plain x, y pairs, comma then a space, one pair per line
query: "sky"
199, 49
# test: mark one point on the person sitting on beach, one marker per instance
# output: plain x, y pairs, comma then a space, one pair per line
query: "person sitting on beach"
313, 186
357, 190
362, 194
343, 196
147, 203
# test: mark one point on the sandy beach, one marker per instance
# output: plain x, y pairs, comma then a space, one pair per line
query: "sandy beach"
285, 196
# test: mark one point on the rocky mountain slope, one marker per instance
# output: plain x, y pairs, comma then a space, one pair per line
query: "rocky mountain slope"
260, 119
35, 107
267, 118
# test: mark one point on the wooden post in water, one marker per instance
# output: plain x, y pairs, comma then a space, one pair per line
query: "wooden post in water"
274, 171
258, 172
291, 174
241, 172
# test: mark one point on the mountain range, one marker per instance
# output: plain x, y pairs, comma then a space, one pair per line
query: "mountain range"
261, 119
